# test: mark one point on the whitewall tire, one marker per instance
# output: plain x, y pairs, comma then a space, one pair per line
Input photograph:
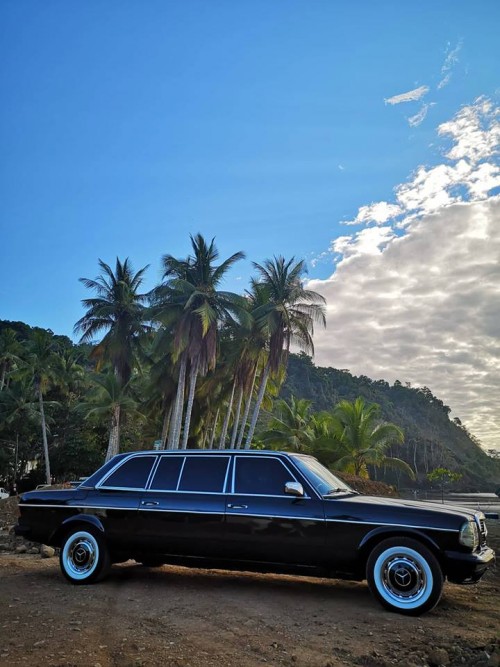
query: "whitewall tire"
84, 556
404, 576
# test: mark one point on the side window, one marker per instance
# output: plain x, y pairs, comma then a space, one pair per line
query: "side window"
133, 474
204, 473
167, 473
262, 476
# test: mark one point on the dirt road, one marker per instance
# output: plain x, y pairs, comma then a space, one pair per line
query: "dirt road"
177, 617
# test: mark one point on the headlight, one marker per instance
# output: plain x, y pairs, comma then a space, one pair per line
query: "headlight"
469, 535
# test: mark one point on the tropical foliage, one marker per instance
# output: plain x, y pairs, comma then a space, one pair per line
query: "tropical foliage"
189, 364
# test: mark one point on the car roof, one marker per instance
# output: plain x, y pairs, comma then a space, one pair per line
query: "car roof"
204, 452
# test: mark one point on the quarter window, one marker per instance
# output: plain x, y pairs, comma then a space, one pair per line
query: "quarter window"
204, 474
133, 474
167, 473
262, 476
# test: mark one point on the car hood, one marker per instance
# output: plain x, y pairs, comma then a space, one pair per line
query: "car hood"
395, 510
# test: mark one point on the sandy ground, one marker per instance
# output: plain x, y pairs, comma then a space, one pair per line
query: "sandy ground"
179, 617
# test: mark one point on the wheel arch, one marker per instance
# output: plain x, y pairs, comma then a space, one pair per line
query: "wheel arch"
72, 522
377, 535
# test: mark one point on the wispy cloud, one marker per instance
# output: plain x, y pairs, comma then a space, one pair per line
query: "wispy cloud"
450, 61
416, 297
419, 117
411, 96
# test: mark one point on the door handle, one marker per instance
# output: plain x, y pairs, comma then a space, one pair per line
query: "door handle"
150, 503
237, 507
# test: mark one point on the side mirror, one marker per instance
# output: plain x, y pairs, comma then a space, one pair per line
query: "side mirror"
294, 489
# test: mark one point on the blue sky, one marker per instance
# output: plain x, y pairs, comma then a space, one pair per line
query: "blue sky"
126, 126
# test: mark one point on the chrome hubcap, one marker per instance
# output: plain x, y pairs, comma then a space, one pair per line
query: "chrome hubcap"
403, 578
81, 556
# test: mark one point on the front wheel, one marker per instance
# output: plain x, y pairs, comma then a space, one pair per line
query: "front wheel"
404, 576
84, 556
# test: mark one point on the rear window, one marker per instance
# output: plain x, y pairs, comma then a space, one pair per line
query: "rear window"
133, 474
167, 473
204, 474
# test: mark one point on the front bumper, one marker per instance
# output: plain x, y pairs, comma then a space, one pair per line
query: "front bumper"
467, 568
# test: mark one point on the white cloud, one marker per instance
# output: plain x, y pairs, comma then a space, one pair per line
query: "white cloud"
449, 63
410, 96
417, 299
379, 212
419, 117
444, 81
369, 241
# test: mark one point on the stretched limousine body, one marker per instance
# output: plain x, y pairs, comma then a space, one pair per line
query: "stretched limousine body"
264, 510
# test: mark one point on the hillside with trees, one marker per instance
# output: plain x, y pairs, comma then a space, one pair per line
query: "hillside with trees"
431, 438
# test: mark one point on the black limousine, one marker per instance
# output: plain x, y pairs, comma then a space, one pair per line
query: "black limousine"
256, 510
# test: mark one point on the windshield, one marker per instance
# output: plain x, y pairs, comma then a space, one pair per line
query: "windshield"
320, 477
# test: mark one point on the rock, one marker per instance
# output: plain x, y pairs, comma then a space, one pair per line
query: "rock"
47, 552
21, 549
34, 550
438, 657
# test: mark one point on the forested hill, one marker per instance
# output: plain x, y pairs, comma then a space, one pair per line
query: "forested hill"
432, 439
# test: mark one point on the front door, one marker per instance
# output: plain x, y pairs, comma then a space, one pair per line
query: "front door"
265, 524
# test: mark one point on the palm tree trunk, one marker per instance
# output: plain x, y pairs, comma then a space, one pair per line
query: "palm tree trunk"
222, 441
214, 426
247, 412
236, 420
44, 437
175, 422
258, 403
166, 424
114, 434
193, 375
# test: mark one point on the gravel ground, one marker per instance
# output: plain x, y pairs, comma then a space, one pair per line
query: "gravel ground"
180, 617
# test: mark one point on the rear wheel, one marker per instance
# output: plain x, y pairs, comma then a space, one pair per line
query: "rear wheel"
404, 576
84, 556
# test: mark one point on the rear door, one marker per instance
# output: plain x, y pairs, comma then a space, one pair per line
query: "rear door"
265, 524
115, 499
182, 512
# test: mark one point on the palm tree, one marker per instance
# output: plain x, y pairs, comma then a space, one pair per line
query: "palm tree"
288, 316
109, 399
364, 439
291, 427
191, 301
42, 359
119, 310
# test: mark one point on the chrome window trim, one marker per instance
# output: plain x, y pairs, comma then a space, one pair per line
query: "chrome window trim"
261, 495
224, 486
215, 493
101, 483
180, 473
150, 481
198, 493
